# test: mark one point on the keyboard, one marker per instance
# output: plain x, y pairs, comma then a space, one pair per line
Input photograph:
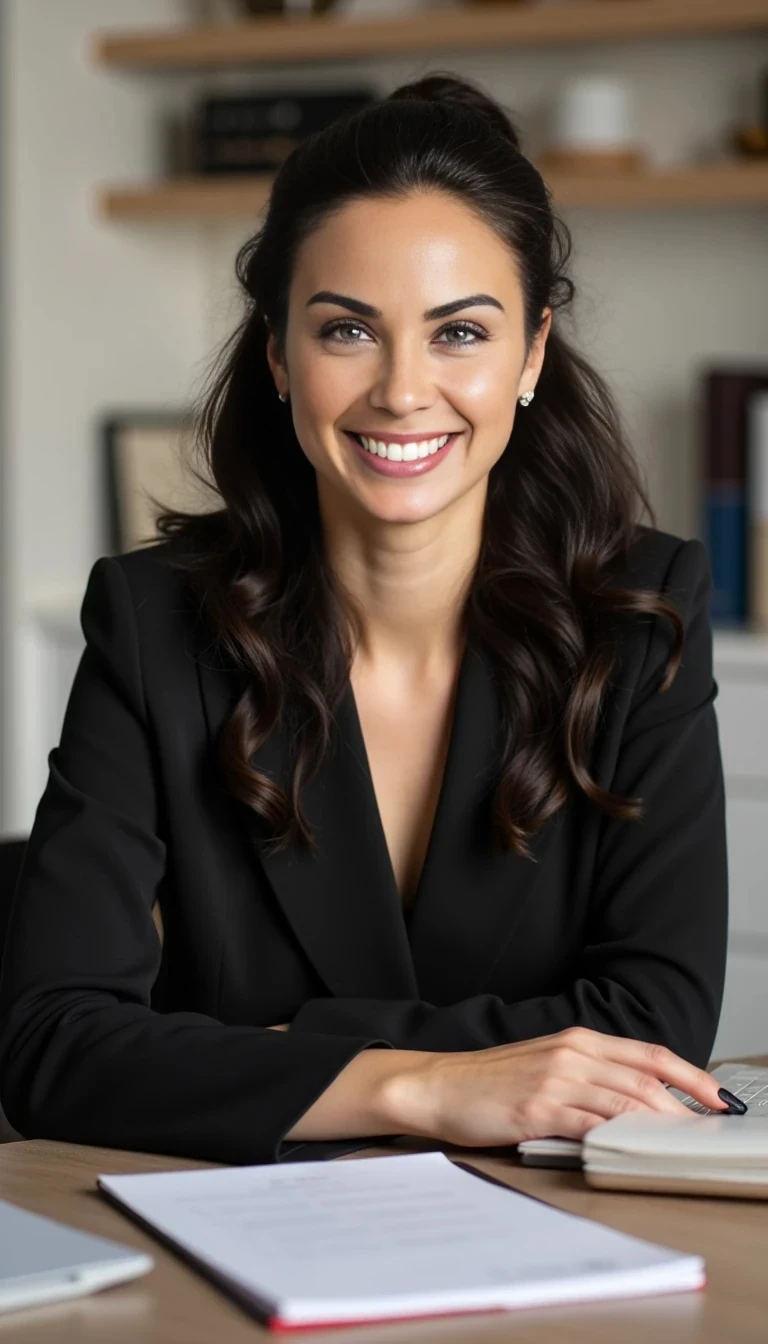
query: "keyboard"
750, 1085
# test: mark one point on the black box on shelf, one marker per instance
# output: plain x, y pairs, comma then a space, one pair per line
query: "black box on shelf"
256, 132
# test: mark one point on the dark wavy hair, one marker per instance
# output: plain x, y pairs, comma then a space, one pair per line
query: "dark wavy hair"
562, 504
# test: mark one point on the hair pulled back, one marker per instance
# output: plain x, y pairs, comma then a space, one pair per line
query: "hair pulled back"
562, 505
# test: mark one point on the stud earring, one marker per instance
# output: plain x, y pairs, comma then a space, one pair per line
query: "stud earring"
283, 397
526, 399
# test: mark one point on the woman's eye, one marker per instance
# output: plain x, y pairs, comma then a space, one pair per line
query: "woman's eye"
337, 328
334, 332
477, 332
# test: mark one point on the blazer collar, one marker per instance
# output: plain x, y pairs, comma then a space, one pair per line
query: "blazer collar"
343, 904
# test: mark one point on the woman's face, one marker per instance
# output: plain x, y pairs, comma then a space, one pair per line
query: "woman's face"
364, 355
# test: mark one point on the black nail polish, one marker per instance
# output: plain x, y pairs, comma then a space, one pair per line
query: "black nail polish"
735, 1106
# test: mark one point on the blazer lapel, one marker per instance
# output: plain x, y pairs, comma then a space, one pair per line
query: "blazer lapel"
470, 900
342, 903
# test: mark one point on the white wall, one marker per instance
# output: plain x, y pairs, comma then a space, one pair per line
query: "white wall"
95, 317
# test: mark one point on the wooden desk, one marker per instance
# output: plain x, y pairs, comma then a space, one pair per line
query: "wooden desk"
175, 1305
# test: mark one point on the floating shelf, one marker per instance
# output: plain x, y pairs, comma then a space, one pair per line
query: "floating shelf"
234, 196
328, 38
190, 198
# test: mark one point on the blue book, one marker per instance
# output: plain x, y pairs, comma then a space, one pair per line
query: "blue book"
726, 488
725, 531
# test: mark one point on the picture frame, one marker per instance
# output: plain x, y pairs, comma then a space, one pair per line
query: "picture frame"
148, 467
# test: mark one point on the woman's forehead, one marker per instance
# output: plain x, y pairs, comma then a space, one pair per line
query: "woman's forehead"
423, 250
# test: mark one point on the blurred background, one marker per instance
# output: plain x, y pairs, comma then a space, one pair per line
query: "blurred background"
137, 138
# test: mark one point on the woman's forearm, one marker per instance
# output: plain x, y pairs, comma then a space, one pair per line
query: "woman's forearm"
377, 1092
560, 1084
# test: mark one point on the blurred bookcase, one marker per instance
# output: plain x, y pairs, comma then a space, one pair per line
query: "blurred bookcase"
472, 27
469, 27
210, 198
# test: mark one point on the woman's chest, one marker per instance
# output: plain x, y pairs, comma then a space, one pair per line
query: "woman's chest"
406, 742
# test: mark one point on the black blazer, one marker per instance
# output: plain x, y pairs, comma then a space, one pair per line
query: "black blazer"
107, 1037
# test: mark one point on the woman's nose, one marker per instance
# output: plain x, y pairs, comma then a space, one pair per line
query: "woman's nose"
404, 384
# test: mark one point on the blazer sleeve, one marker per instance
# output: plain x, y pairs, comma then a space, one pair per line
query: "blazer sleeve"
83, 1056
653, 964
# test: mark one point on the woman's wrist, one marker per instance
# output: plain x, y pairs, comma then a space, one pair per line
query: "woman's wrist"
408, 1093
378, 1092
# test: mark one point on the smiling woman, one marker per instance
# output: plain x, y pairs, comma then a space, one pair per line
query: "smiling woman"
413, 741
409, 389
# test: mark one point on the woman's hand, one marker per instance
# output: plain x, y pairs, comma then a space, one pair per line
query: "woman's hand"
563, 1084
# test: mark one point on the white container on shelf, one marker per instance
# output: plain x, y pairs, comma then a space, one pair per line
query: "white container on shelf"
592, 113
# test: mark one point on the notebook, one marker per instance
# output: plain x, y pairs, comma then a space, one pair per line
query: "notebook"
382, 1238
746, 1081
687, 1154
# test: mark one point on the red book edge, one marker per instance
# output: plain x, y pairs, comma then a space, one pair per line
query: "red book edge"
281, 1326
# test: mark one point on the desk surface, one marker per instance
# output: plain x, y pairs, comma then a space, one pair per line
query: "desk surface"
175, 1305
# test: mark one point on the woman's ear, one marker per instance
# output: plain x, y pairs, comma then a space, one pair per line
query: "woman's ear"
530, 374
279, 372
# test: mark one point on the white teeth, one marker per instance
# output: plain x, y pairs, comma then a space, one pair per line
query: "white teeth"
404, 452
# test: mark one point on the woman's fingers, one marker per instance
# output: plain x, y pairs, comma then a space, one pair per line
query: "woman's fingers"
609, 1101
642, 1087
568, 1122
654, 1060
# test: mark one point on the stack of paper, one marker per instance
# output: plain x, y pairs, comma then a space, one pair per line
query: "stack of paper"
323, 1243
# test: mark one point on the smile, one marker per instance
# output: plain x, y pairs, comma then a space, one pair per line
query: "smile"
412, 458
402, 452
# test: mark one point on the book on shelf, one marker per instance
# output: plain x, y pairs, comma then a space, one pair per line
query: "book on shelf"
757, 475
735, 493
252, 132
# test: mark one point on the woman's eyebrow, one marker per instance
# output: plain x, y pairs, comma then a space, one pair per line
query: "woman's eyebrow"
368, 310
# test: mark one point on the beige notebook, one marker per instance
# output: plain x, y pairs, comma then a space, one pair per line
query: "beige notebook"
686, 1154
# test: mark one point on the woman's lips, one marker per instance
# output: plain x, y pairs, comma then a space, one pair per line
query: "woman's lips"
416, 468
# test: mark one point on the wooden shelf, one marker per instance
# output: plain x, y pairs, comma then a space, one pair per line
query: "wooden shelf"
190, 198
230, 197
696, 185
328, 38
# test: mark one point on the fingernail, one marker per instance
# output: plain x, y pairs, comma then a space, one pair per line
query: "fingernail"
735, 1105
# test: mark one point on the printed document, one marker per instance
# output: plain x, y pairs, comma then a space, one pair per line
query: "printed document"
384, 1237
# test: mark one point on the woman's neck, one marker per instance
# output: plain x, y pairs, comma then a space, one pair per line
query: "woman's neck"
408, 582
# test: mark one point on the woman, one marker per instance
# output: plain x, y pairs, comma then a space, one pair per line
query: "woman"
413, 748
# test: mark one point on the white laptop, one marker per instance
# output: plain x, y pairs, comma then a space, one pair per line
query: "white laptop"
45, 1261
745, 1082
